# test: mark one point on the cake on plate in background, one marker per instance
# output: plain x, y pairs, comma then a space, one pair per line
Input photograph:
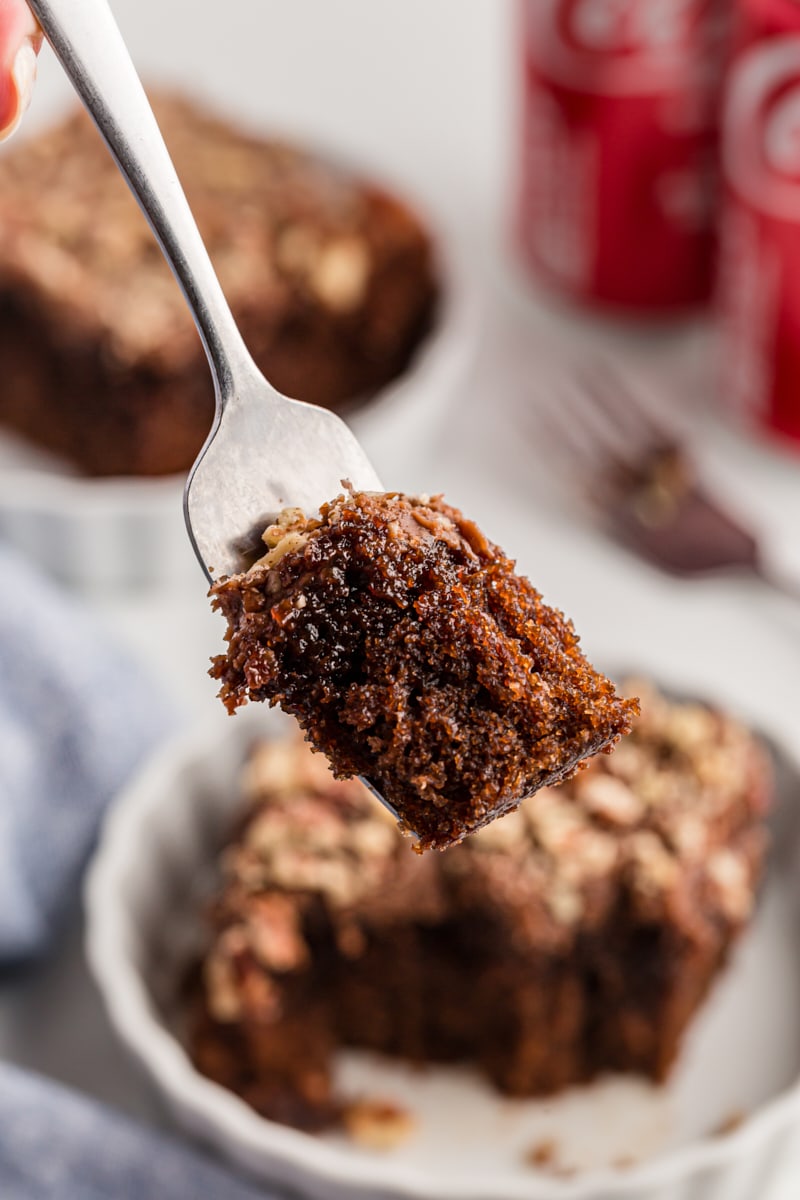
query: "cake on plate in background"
331, 279
573, 937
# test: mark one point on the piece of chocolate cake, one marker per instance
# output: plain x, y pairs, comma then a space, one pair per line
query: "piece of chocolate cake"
573, 937
331, 280
413, 655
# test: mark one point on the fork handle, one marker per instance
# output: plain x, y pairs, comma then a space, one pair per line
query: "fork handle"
87, 41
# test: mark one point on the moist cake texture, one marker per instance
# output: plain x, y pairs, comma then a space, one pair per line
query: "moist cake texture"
331, 280
575, 936
413, 655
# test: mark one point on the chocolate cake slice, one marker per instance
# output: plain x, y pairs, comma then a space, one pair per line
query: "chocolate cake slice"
573, 937
331, 279
413, 655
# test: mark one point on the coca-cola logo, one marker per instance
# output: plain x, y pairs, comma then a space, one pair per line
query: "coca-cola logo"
761, 130
650, 42
782, 134
628, 26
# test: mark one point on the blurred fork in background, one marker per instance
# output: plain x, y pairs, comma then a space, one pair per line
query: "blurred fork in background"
632, 465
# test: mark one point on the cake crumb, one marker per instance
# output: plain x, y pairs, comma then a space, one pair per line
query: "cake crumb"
378, 1124
731, 1123
624, 1162
543, 1153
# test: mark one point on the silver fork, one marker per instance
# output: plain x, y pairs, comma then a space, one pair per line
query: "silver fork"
264, 451
633, 465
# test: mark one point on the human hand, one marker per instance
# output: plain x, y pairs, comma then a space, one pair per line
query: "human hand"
20, 39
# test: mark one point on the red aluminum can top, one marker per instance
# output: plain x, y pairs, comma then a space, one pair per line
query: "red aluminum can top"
759, 19
620, 46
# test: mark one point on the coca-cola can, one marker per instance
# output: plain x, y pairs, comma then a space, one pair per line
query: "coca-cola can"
759, 281
620, 141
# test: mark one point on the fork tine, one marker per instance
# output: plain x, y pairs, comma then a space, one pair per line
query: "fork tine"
628, 408
562, 436
570, 449
611, 444
568, 436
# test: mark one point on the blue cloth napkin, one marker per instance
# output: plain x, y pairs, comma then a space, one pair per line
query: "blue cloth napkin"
57, 1145
76, 717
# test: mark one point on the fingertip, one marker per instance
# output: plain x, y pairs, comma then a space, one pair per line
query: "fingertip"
20, 89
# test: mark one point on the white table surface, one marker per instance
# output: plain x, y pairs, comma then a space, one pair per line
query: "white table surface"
425, 94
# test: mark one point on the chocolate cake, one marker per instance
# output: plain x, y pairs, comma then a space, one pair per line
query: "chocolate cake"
331, 279
575, 936
413, 655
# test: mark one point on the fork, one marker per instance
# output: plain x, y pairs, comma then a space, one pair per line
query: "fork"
264, 451
643, 482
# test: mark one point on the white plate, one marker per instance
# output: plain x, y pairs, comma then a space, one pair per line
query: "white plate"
742, 1055
129, 533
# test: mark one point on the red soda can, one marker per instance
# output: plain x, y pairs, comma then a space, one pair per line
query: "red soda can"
620, 139
759, 19
759, 282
